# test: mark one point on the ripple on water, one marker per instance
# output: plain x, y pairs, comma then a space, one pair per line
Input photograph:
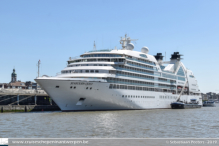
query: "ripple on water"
139, 123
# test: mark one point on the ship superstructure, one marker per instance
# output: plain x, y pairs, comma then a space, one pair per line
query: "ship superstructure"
121, 79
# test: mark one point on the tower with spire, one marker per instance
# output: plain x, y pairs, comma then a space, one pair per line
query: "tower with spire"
13, 77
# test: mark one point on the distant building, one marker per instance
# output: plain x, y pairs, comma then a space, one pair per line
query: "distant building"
13, 77
14, 84
31, 85
212, 96
2, 85
204, 96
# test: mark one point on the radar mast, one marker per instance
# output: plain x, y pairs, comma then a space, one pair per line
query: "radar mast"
125, 41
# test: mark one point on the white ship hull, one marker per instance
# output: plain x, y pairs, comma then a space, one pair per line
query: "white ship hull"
98, 96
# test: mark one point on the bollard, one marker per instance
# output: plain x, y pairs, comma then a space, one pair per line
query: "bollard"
2, 110
25, 109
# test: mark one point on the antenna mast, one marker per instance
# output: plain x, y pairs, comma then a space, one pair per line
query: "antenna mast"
165, 57
38, 65
94, 46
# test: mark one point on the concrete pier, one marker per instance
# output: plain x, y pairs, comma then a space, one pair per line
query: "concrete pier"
18, 99
28, 108
27, 100
35, 99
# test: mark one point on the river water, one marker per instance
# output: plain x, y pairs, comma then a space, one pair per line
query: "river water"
158, 123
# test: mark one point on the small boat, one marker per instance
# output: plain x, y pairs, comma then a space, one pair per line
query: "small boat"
209, 103
177, 105
181, 105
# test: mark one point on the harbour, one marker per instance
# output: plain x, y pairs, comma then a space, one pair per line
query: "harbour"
130, 73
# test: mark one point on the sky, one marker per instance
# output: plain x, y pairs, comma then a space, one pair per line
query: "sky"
53, 30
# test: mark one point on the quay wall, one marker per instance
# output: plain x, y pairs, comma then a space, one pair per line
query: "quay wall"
28, 108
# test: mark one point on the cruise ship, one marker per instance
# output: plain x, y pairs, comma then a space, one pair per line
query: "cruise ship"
121, 79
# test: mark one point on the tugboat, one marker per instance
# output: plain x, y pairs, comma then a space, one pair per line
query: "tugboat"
209, 103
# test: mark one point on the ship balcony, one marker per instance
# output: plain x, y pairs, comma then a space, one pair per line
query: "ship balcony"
117, 74
152, 69
146, 85
139, 61
136, 71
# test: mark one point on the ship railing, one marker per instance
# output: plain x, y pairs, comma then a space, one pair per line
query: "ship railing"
136, 71
133, 77
140, 61
167, 71
147, 85
22, 91
142, 67
104, 50
58, 73
76, 57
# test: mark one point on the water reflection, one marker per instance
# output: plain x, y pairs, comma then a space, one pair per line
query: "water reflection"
160, 123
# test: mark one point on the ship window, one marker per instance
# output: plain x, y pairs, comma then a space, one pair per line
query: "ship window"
86, 71
143, 55
180, 72
96, 71
95, 64
191, 76
57, 86
92, 71
181, 78
100, 64
71, 87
